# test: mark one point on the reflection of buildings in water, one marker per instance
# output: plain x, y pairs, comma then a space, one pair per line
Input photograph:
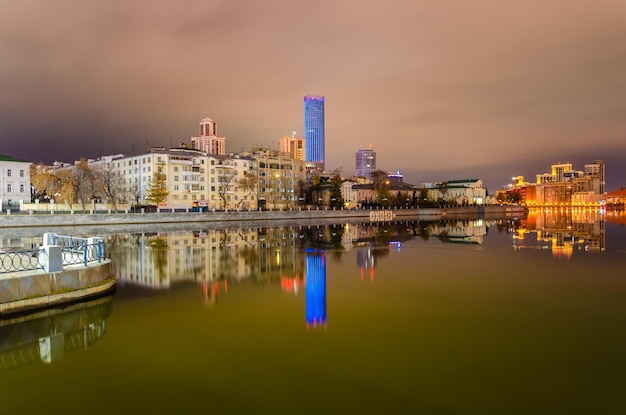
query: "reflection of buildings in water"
564, 230
47, 336
159, 260
315, 289
459, 231
616, 216
366, 261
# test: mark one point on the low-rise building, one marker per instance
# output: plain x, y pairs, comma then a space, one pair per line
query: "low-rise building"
464, 191
14, 182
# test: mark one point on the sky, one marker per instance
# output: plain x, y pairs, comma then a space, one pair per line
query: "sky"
440, 89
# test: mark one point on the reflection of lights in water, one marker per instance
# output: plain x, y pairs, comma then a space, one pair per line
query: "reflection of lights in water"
211, 292
315, 289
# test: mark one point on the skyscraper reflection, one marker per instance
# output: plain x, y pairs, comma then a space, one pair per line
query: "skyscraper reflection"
315, 288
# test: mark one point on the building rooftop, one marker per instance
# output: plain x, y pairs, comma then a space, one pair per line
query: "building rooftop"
9, 158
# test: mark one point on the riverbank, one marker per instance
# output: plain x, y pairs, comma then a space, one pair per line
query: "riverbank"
67, 219
31, 290
64, 269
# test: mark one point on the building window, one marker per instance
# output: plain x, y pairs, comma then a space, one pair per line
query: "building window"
21, 188
21, 173
8, 172
175, 178
9, 187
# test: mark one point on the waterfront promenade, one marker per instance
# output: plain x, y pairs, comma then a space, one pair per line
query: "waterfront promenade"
67, 219
64, 269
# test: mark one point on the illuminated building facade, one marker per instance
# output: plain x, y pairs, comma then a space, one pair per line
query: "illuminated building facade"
365, 162
314, 130
208, 141
293, 146
563, 186
278, 173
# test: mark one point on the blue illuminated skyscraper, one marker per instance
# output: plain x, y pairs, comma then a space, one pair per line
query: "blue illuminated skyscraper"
314, 129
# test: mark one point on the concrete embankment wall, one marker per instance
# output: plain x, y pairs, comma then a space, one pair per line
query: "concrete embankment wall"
312, 216
29, 290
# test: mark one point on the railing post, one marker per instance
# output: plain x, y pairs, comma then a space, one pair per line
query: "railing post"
51, 256
49, 239
85, 253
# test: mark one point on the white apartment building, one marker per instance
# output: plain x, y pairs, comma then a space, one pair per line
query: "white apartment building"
193, 178
225, 192
14, 182
278, 175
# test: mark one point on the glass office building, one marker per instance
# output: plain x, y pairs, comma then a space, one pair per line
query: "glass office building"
314, 129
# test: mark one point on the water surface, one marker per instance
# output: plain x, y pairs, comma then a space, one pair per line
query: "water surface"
515, 317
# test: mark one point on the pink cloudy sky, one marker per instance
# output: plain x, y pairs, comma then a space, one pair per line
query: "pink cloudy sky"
441, 89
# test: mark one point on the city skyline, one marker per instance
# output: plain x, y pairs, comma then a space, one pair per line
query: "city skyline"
489, 90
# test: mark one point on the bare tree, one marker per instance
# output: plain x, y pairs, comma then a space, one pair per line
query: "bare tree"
225, 176
249, 183
83, 181
443, 189
109, 183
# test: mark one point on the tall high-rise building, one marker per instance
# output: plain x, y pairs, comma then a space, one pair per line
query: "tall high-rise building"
208, 141
293, 146
595, 172
559, 170
314, 129
365, 162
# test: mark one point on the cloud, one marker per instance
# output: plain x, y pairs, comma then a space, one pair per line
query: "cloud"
435, 84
